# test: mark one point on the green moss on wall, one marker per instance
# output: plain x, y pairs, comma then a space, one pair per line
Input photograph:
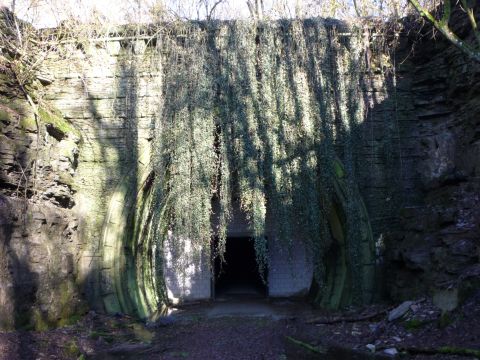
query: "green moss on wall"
63, 311
4, 115
55, 119
16, 105
39, 321
28, 124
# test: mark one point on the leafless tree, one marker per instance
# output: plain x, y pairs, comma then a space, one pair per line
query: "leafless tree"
210, 7
256, 8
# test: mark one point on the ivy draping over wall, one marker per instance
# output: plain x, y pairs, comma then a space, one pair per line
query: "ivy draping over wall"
258, 113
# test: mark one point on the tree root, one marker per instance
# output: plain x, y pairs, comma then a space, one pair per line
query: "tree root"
334, 320
315, 349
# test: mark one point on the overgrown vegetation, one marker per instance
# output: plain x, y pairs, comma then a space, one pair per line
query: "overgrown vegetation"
258, 114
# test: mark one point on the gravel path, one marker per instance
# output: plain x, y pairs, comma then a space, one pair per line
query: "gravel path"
253, 329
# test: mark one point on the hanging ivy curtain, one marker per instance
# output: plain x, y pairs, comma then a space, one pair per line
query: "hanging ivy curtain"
257, 113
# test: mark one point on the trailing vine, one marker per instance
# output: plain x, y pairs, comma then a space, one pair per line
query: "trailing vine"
257, 113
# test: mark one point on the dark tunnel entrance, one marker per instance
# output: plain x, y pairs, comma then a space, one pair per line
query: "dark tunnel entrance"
239, 274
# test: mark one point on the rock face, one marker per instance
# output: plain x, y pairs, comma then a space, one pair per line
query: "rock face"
38, 271
437, 242
39, 243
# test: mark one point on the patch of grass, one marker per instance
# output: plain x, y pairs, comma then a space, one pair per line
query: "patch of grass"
304, 345
142, 334
445, 320
108, 339
415, 324
119, 325
182, 354
339, 171
39, 321
72, 349
71, 320
95, 335
459, 351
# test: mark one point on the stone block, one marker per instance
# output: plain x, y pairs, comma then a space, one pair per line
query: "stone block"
446, 299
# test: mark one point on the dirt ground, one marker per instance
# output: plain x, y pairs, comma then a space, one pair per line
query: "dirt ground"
260, 329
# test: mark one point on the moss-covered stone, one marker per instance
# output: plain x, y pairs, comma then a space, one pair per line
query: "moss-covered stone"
62, 312
72, 349
446, 299
40, 321
55, 120
66, 179
28, 124
141, 333
4, 116
70, 308
17, 106
68, 149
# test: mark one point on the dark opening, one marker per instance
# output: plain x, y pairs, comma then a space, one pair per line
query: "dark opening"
239, 274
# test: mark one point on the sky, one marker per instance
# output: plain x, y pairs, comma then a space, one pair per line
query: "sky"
48, 13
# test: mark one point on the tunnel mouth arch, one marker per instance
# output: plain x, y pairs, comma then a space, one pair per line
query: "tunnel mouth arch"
131, 266
336, 291
237, 274
133, 271
339, 289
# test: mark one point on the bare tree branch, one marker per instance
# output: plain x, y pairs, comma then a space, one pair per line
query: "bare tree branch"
442, 26
212, 9
256, 8
471, 17
357, 10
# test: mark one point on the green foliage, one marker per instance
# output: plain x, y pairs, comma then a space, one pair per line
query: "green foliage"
415, 324
259, 114
180, 354
304, 345
459, 351
39, 322
141, 333
445, 320
97, 334
72, 349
